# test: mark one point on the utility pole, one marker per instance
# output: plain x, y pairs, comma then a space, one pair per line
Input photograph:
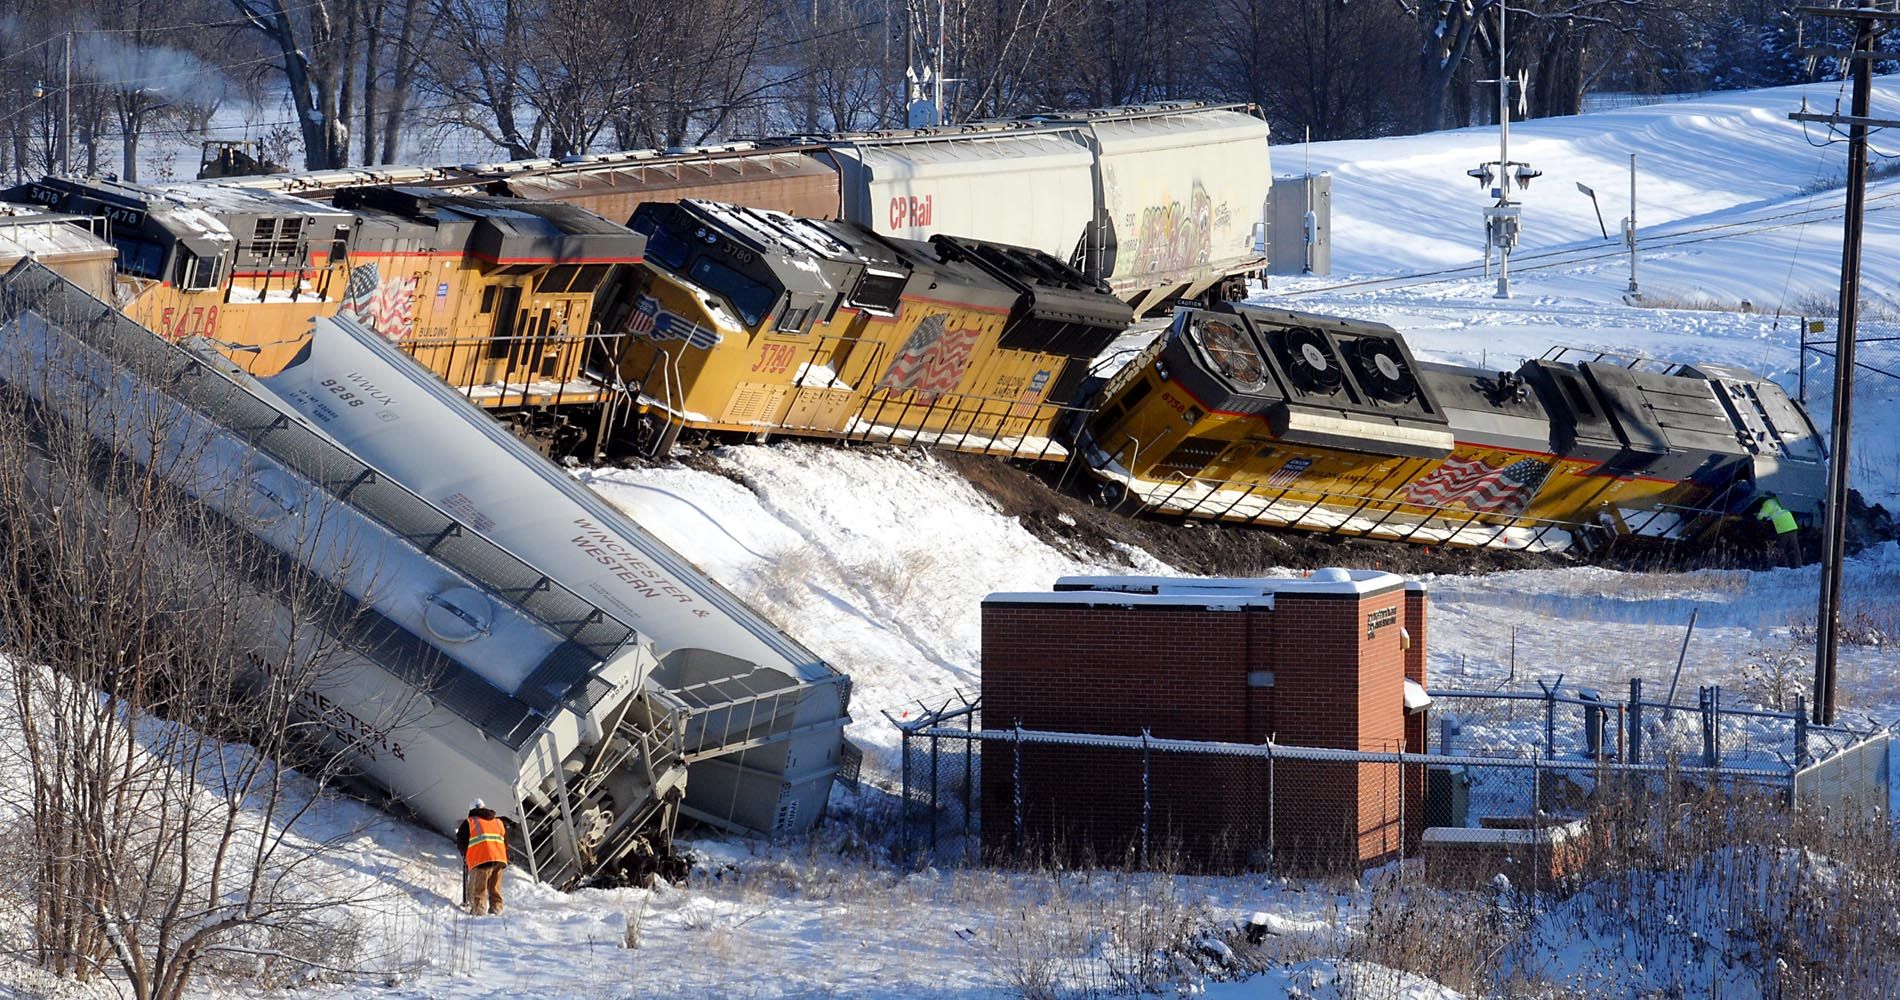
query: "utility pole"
1629, 230
1501, 220
1868, 26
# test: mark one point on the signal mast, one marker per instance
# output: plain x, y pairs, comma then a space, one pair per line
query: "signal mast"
1501, 220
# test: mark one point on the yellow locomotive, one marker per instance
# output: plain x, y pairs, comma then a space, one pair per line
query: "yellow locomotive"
498, 296
750, 320
1290, 419
246, 269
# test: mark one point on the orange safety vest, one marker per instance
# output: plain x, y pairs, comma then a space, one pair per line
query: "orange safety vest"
485, 842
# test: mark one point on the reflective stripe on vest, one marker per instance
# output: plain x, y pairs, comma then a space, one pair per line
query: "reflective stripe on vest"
485, 842
1774, 513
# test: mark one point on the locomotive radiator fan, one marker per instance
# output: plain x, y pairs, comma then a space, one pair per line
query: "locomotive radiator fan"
1309, 360
1382, 370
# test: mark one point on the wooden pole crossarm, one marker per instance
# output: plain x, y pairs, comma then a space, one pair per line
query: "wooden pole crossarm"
1809, 116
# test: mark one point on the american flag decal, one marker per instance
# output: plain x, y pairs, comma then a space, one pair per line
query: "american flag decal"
1476, 486
388, 307
650, 322
1289, 473
933, 359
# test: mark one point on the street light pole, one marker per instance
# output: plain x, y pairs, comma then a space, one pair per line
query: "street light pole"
1504, 155
66, 113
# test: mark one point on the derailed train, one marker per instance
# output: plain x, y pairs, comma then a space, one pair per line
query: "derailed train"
1281, 418
719, 318
497, 630
568, 662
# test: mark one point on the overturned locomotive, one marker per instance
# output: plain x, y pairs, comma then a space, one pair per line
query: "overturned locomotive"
1265, 416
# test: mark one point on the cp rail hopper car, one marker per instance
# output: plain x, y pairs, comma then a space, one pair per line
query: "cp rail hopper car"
457, 668
1292, 419
761, 726
1161, 201
754, 321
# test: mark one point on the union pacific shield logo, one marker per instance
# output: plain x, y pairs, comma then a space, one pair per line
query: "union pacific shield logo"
649, 321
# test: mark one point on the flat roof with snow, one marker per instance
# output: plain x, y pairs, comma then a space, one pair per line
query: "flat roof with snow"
1209, 592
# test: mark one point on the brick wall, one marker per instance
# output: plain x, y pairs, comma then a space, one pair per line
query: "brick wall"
1181, 671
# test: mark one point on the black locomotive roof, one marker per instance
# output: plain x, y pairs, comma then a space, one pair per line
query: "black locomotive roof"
1055, 290
952, 277
502, 230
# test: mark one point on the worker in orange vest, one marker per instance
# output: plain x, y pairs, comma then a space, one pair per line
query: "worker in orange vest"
484, 845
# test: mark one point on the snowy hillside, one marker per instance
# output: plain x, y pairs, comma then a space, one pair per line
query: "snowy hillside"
878, 560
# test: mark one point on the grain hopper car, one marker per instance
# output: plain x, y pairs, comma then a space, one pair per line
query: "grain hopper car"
459, 669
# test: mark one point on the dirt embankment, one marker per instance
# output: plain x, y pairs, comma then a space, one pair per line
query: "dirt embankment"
1050, 508
1054, 509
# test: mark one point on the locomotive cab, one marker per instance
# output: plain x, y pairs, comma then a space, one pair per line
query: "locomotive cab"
244, 269
744, 319
499, 297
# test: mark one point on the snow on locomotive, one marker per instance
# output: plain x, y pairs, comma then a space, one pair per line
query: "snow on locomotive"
755, 321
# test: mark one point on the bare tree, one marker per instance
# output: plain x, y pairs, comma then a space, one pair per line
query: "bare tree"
317, 42
161, 659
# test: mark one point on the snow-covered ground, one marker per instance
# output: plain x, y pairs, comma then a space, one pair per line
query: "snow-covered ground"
878, 561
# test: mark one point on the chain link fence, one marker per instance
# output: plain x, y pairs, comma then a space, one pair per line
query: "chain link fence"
1876, 356
1001, 794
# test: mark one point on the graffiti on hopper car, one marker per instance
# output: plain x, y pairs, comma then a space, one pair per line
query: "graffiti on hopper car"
1175, 236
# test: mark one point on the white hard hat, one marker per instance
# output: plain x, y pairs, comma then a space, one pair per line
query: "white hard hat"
477, 804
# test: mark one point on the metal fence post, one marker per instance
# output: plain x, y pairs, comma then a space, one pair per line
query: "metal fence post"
1144, 798
1273, 853
1636, 720
1550, 714
1537, 785
1018, 786
1800, 729
969, 771
903, 801
933, 795
1704, 705
1715, 723
1403, 788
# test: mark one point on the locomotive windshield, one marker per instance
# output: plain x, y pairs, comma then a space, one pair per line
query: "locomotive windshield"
751, 300
667, 249
1229, 352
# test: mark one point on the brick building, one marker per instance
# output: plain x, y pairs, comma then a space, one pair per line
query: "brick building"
1319, 661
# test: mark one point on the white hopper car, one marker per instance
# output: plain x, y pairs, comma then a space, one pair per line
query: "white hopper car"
461, 669
764, 716
1161, 200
